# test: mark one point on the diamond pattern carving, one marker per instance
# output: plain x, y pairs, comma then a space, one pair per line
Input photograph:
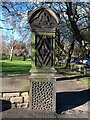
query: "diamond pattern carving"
44, 50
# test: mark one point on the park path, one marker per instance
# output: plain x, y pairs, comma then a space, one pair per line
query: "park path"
71, 101
69, 83
72, 95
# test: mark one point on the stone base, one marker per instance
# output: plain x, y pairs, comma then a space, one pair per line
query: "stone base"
42, 90
15, 100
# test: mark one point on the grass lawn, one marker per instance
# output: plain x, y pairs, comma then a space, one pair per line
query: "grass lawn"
15, 67
18, 67
68, 71
85, 80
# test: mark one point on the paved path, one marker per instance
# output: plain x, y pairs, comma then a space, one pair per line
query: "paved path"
72, 96
25, 113
71, 102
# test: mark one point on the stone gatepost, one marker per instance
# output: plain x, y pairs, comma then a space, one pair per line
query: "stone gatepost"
43, 22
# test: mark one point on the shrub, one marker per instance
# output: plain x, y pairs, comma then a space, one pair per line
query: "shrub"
5, 57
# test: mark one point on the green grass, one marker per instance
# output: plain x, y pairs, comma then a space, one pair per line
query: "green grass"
15, 67
68, 71
85, 80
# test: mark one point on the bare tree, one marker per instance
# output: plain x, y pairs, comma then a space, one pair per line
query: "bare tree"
73, 22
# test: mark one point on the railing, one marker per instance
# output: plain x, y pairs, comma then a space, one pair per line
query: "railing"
85, 70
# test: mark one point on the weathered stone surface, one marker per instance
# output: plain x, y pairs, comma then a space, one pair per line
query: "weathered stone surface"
17, 84
26, 99
2, 98
16, 99
13, 106
0, 95
5, 95
24, 94
43, 18
22, 105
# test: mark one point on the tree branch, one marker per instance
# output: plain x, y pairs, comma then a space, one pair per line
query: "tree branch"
6, 8
84, 28
6, 28
73, 23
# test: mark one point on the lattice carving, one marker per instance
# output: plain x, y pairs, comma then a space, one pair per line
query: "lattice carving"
42, 96
44, 50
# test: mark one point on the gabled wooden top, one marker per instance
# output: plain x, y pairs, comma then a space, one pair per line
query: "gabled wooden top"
43, 18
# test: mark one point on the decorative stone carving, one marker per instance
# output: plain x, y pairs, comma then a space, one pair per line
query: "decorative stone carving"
43, 50
43, 22
43, 17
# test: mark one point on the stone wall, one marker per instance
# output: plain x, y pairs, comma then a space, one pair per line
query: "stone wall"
14, 91
17, 99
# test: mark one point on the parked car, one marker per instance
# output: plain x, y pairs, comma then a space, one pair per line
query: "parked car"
79, 60
62, 60
88, 62
73, 59
85, 60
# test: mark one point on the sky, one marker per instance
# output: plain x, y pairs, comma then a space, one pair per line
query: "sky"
18, 14
14, 24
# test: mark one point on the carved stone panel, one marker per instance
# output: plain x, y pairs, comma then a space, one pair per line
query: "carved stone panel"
43, 93
43, 50
43, 18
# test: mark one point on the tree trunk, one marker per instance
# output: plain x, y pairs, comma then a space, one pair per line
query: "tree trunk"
11, 53
69, 55
24, 58
88, 53
73, 23
59, 48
